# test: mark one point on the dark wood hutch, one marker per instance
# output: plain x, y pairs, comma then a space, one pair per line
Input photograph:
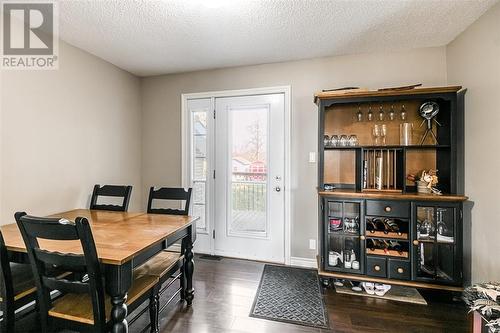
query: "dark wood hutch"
373, 224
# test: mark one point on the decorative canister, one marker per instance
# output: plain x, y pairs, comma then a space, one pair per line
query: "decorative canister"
422, 187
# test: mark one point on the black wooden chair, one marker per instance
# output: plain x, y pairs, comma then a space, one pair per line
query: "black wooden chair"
120, 191
83, 305
17, 288
167, 265
169, 193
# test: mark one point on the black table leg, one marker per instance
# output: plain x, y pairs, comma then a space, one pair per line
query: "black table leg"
118, 282
188, 266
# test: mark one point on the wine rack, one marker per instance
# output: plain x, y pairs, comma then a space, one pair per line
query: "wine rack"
370, 209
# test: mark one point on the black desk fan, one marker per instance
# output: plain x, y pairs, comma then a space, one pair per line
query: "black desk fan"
429, 111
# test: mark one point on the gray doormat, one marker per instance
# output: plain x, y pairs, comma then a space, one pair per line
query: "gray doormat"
290, 295
397, 293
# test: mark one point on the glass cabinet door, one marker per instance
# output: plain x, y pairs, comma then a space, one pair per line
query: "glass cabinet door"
343, 232
435, 242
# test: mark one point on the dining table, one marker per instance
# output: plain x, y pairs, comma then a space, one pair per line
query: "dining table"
124, 240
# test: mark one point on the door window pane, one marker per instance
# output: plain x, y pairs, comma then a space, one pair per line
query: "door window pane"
426, 261
199, 210
335, 209
200, 168
445, 264
199, 110
249, 165
200, 122
426, 223
200, 146
445, 223
199, 192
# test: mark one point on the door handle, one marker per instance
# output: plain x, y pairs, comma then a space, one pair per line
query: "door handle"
277, 189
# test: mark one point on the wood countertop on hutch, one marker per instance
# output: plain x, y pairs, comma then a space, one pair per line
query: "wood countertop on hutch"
393, 196
341, 94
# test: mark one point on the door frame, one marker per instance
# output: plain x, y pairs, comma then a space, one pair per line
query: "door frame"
185, 131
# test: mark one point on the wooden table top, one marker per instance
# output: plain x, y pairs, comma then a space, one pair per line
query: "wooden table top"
118, 236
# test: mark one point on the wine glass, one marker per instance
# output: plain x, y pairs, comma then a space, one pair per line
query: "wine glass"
381, 113
403, 112
383, 132
391, 113
376, 134
370, 113
359, 114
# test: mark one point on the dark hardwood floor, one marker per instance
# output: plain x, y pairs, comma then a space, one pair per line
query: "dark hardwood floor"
225, 290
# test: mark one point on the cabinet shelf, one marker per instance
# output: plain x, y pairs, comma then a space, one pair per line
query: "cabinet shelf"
387, 253
343, 234
412, 147
390, 235
341, 268
430, 241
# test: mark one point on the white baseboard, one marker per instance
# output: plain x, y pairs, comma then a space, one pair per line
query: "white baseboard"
303, 262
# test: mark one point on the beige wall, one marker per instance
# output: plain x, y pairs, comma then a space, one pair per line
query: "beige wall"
64, 130
473, 60
161, 106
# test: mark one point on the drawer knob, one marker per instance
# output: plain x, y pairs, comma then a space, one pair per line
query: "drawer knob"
388, 209
362, 237
415, 242
401, 270
376, 268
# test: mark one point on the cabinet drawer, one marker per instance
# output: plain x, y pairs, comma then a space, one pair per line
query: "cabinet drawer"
376, 266
399, 269
388, 208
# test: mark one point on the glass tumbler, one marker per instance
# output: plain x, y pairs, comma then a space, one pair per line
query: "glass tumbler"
344, 141
334, 140
405, 134
376, 134
353, 140
326, 141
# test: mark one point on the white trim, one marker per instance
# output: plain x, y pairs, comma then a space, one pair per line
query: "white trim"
303, 262
286, 90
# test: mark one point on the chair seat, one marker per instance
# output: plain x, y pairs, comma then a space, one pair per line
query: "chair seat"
78, 307
22, 280
160, 264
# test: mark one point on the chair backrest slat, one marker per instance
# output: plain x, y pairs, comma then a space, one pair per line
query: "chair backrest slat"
66, 286
123, 191
169, 193
60, 230
67, 260
6, 289
36, 228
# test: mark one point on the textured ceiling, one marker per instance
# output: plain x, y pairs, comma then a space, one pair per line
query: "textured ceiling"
169, 36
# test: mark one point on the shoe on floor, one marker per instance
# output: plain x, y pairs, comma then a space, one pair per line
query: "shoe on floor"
356, 286
369, 287
338, 283
381, 289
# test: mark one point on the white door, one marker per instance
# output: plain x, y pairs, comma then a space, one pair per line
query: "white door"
249, 171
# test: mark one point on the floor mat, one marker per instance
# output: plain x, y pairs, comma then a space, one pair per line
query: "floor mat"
291, 295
